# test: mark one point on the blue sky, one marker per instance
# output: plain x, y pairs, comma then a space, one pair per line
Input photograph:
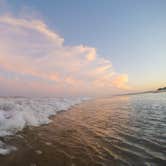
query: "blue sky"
130, 33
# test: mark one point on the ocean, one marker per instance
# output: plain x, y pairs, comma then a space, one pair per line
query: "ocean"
116, 131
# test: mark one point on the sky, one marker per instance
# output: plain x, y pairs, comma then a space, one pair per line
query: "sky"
81, 47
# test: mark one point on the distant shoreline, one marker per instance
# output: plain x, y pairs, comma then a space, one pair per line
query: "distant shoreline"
158, 91
137, 93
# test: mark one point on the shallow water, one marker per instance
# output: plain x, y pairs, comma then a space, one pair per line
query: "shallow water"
124, 130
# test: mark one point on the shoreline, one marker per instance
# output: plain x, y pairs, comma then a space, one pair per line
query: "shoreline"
92, 133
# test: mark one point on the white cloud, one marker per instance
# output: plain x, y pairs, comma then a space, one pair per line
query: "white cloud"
29, 48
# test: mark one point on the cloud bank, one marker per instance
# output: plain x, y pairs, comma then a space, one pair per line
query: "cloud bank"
35, 61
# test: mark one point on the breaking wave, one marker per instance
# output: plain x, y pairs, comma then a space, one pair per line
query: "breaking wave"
17, 113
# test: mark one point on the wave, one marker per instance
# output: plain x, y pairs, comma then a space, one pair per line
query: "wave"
17, 113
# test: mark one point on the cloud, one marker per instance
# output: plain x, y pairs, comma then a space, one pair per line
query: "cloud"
37, 56
91, 56
120, 80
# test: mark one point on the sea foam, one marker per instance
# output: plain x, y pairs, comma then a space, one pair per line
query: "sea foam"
17, 113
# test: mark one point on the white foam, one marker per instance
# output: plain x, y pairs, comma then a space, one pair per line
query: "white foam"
17, 113
6, 149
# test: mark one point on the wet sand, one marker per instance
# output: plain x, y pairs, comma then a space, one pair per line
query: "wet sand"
89, 134
60, 143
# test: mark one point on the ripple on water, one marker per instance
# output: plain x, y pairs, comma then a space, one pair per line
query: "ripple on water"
119, 131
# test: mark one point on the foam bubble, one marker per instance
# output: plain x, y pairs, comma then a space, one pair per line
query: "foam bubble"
6, 149
17, 113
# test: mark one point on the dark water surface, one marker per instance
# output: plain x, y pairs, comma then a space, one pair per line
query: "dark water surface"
126, 130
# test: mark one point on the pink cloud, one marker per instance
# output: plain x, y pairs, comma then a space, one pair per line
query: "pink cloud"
28, 47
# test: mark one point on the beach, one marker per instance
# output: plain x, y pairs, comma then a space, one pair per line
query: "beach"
124, 130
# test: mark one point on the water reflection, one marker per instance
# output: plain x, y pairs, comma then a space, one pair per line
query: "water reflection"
126, 130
